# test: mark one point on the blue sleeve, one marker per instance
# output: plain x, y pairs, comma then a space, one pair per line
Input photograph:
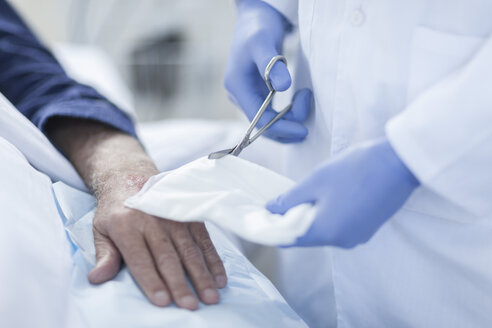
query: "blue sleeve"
35, 83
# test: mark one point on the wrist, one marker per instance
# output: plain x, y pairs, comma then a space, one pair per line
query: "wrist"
119, 188
113, 164
120, 177
392, 163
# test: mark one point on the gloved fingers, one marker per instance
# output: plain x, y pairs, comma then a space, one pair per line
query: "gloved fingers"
310, 238
327, 230
301, 106
315, 236
300, 194
286, 130
262, 53
251, 98
285, 140
245, 88
283, 130
108, 259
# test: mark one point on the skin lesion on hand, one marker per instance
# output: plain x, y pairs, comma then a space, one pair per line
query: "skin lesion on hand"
134, 181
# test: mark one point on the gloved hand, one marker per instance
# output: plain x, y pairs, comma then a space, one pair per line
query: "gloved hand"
355, 193
258, 37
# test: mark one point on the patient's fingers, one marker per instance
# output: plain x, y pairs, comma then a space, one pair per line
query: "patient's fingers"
139, 261
169, 265
212, 258
194, 262
108, 259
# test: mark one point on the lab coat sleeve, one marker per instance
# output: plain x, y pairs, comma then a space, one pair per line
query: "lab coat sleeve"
288, 8
33, 80
445, 135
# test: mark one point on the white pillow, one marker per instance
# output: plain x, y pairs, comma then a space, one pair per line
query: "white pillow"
38, 150
35, 279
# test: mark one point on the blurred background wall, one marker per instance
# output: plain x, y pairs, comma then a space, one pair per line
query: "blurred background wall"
171, 53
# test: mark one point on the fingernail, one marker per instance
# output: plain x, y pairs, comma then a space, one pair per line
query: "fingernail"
188, 302
220, 281
161, 298
210, 296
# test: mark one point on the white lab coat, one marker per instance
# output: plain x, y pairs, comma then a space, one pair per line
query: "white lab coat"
419, 72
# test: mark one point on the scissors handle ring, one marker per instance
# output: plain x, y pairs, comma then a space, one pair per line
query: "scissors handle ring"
247, 139
269, 67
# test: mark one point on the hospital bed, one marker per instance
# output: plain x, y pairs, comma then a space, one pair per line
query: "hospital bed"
47, 249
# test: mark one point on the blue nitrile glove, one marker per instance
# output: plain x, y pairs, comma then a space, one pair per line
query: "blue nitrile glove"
258, 37
355, 193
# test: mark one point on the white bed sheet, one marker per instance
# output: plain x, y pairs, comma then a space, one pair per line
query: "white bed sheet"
35, 278
45, 285
248, 300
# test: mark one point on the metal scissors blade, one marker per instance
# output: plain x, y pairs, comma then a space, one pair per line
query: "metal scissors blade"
247, 139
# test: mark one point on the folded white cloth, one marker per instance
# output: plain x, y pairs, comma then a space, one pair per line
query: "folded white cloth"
230, 192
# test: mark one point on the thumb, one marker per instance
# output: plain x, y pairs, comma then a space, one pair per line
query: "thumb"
263, 53
296, 196
280, 76
108, 259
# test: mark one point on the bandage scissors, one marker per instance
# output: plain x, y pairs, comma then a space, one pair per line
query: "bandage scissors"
247, 139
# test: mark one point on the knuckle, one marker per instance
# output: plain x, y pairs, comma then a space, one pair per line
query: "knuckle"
122, 226
166, 258
103, 247
119, 222
207, 247
256, 38
151, 226
179, 287
153, 286
190, 253
217, 267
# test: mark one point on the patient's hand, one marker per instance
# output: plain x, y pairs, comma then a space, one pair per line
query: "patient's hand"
158, 252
